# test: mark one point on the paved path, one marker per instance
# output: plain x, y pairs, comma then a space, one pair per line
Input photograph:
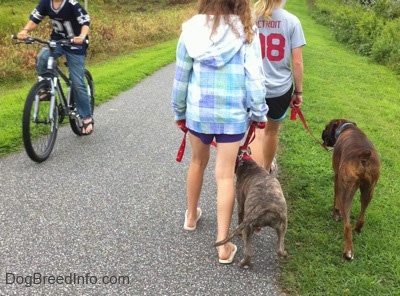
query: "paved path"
117, 209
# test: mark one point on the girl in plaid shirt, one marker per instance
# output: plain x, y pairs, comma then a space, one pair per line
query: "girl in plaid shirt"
218, 79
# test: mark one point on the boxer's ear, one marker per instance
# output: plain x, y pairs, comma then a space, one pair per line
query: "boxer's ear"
328, 134
332, 130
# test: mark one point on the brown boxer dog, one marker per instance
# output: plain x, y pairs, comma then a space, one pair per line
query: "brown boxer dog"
260, 203
356, 165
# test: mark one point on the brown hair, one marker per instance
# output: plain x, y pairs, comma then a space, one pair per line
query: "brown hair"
223, 8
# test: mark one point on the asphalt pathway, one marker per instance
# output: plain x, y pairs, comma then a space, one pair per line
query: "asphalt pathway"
110, 208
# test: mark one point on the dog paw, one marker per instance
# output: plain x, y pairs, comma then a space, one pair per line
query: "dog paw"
244, 263
336, 215
282, 254
348, 255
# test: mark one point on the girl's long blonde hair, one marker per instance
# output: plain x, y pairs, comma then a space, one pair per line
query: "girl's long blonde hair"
265, 7
223, 8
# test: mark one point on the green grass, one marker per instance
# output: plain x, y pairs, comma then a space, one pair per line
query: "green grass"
340, 84
138, 25
337, 84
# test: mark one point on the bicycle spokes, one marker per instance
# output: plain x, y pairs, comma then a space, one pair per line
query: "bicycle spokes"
40, 122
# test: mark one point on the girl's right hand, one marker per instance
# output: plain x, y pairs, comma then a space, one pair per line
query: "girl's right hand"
181, 124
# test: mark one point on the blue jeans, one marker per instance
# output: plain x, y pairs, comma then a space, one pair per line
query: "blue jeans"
76, 66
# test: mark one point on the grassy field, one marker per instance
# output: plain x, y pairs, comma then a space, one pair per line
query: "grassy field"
340, 84
118, 27
337, 84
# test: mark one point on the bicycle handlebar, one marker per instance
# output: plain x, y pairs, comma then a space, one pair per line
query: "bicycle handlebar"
30, 40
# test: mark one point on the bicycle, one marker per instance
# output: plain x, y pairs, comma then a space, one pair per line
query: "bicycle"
47, 104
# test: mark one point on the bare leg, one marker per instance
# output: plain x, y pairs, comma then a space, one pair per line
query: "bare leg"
270, 142
224, 175
198, 163
257, 146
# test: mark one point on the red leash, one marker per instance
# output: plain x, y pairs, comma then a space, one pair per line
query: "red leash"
250, 137
181, 151
251, 134
296, 111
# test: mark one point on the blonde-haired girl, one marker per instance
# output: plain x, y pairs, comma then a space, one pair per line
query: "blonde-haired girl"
282, 39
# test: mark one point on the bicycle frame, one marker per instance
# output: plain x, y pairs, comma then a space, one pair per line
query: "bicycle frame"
44, 111
55, 73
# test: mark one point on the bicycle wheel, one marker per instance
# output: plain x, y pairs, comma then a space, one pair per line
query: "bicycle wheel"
39, 131
73, 120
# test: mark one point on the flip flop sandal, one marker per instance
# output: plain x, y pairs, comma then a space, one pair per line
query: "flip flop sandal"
85, 126
230, 259
199, 212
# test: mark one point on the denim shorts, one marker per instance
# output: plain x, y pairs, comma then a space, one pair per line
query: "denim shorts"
219, 138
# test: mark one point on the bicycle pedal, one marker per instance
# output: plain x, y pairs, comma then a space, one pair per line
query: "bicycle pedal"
77, 118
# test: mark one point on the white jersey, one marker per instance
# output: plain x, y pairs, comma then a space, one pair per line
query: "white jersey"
278, 37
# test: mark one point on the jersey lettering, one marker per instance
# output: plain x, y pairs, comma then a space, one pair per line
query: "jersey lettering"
273, 47
63, 29
268, 24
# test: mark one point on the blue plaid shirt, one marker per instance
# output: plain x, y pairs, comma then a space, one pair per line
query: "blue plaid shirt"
215, 85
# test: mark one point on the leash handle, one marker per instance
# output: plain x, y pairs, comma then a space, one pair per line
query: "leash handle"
296, 111
182, 125
181, 150
251, 133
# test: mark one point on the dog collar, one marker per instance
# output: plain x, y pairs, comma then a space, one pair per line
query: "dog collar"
340, 129
242, 156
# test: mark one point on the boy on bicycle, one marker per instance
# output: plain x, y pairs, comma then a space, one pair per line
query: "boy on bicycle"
70, 21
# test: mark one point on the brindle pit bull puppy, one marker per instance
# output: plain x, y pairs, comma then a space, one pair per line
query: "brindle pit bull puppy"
356, 166
260, 203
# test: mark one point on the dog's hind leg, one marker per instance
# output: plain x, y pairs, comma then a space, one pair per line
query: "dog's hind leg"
336, 215
246, 236
348, 252
240, 207
280, 244
367, 191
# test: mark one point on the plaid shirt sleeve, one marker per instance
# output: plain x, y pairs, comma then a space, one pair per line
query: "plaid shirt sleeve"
183, 70
255, 81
